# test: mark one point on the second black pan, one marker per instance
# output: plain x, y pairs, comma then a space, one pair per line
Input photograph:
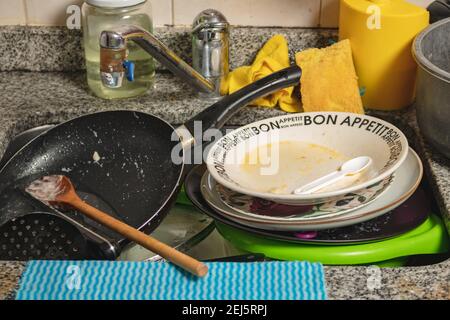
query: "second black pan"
121, 161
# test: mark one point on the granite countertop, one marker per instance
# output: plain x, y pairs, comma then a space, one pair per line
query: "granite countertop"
33, 98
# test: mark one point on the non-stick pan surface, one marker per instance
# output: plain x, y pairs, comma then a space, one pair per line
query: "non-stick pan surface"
121, 161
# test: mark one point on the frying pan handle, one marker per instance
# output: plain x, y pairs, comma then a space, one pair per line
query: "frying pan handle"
219, 113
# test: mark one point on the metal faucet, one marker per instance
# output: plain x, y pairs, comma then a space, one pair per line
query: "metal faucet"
210, 53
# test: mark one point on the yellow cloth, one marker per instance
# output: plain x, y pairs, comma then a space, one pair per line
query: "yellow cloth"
272, 57
329, 81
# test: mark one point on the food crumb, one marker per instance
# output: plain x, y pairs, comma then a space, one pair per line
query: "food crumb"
96, 157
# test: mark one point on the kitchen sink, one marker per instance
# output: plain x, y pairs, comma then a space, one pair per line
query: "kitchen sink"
215, 246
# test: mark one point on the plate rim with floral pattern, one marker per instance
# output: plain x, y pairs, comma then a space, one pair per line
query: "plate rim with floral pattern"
316, 211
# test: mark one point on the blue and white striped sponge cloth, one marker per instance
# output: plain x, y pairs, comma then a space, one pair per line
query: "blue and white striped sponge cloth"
111, 280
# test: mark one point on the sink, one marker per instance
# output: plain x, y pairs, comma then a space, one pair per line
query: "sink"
215, 245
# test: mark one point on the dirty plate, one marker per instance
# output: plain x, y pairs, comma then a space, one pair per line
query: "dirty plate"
406, 181
268, 159
404, 218
257, 207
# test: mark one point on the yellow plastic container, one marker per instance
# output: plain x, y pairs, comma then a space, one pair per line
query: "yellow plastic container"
381, 33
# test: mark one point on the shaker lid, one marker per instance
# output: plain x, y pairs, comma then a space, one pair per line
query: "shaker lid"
209, 19
114, 3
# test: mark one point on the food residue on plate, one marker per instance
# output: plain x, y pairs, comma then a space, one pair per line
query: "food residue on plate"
281, 167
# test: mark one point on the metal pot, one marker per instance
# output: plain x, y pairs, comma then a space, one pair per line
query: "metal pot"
431, 50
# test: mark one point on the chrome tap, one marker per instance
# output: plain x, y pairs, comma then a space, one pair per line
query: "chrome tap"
210, 45
211, 68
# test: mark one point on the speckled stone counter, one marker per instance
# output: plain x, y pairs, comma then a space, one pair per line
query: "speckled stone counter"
58, 48
30, 98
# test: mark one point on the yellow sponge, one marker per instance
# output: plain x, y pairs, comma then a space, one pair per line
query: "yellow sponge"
329, 81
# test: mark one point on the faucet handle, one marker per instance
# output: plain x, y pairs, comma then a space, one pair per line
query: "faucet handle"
210, 19
210, 47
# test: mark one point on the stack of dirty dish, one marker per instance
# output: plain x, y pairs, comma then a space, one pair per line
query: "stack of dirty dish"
252, 185
254, 172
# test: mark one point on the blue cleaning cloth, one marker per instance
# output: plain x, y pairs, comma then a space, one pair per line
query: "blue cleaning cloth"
111, 280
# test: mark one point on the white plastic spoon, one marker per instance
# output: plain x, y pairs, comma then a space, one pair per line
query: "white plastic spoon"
349, 168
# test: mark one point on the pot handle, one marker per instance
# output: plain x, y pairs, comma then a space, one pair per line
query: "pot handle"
215, 116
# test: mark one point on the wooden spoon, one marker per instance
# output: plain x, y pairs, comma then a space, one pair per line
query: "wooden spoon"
59, 189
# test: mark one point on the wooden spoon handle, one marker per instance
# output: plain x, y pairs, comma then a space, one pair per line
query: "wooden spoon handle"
180, 259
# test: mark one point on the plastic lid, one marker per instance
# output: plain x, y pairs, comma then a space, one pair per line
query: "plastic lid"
114, 3
391, 8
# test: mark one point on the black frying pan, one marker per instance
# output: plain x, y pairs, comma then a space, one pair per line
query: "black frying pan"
135, 178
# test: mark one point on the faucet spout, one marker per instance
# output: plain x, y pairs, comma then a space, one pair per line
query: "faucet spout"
113, 55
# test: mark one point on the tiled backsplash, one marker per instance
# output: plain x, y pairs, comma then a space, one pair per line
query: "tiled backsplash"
281, 13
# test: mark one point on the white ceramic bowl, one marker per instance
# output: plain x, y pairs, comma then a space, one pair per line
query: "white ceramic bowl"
319, 141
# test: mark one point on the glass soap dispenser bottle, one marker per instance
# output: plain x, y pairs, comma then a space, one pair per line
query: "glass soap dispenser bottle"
100, 15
